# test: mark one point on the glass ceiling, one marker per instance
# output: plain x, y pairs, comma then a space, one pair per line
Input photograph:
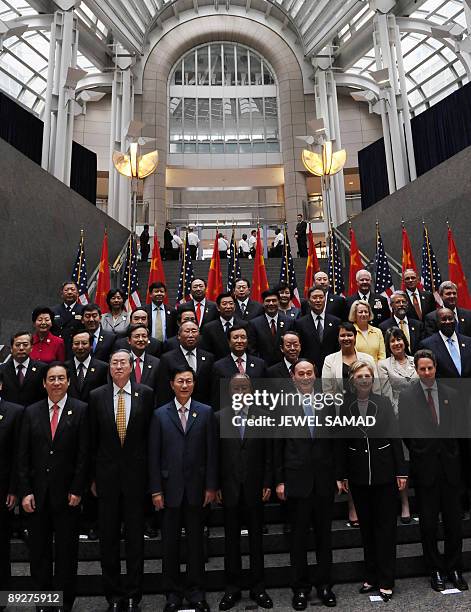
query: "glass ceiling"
433, 70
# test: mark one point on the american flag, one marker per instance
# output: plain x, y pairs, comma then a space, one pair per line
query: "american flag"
233, 266
186, 274
79, 275
335, 272
384, 282
130, 280
287, 273
431, 277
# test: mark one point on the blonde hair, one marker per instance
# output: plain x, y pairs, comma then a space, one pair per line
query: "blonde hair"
359, 365
352, 315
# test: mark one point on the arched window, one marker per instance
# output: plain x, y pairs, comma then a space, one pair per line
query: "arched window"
223, 98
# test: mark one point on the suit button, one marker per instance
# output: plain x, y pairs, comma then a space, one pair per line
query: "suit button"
366, 451
48, 470
51, 452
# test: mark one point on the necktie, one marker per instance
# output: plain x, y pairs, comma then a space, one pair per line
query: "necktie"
240, 365
158, 331
137, 370
320, 328
308, 412
190, 357
182, 413
121, 416
20, 374
291, 370
416, 304
364, 298
242, 308
228, 326
454, 354
273, 327
95, 340
431, 404
80, 375
198, 313
54, 420
405, 329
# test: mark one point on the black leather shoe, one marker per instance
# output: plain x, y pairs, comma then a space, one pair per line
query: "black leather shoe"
171, 607
327, 596
367, 589
201, 606
229, 600
437, 582
114, 607
263, 600
131, 605
92, 535
458, 581
299, 601
385, 596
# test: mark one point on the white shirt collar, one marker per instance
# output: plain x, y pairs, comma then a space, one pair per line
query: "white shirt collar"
203, 303
185, 351
61, 404
245, 302
367, 295
187, 405
321, 315
412, 293
86, 363
287, 364
157, 306
398, 321
224, 321
25, 364
142, 357
445, 339
127, 388
433, 388
242, 357
270, 318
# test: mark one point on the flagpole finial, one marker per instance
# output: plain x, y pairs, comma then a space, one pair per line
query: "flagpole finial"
447, 223
349, 222
402, 222
81, 233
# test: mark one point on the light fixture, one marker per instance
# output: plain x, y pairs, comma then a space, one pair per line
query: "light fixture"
364, 96
383, 6
316, 125
381, 76
73, 77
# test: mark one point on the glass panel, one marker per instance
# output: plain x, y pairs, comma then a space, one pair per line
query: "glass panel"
230, 118
203, 125
258, 127
216, 65
267, 75
229, 65
189, 125
255, 69
176, 126
242, 66
245, 109
178, 74
271, 119
217, 126
189, 68
203, 66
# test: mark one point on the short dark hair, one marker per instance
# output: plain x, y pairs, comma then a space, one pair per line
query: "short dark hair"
269, 293
69, 282
55, 364
289, 332
347, 326
139, 308
282, 286
157, 285
132, 328
184, 308
82, 330
198, 279
113, 292
21, 333
424, 354
39, 310
221, 296
91, 308
237, 328
397, 334
180, 370
246, 280
121, 350
315, 288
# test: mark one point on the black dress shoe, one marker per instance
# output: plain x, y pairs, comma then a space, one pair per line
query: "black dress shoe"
131, 605
201, 606
299, 601
458, 581
385, 596
92, 535
114, 607
367, 589
327, 596
437, 582
171, 607
263, 600
405, 520
229, 600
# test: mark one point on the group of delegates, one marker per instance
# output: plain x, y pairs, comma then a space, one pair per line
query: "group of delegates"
109, 418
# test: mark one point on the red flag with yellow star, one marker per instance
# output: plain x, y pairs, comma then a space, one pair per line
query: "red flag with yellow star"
157, 272
214, 287
312, 263
259, 277
456, 274
355, 264
103, 280
408, 261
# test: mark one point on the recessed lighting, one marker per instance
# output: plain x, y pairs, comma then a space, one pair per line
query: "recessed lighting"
350, 182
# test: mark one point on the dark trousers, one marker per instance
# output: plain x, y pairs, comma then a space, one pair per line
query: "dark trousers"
145, 253
89, 518
376, 510
5, 525
223, 254
442, 497
192, 518
54, 571
193, 251
318, 510
302, 248
111, 511
234, 517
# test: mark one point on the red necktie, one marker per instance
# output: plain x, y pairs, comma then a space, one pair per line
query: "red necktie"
431, 404
240, 365
198, 313
273, 327
137, 370
20, 373
54, 420
416, 304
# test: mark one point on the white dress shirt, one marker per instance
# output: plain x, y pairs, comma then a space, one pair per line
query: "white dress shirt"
193, 239
224, 321
278, 240
85, 364
61, 405
25, 365
436, 401
252, 241
245, 303
127, 400
445, 339
270, 319
243, 358
244, 246
159, 310
190, 359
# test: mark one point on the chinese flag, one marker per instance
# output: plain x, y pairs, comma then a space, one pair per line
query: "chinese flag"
312, 264
103, 280
456, 274
157, 272
355, 264
214, 287
408, 261
259, 278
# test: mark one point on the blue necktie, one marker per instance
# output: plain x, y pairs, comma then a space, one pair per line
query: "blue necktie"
308, 412
95, 340
455, 354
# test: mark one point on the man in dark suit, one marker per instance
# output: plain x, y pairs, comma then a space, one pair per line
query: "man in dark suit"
305, 478
67, 314
290, 346
413, 328
53, 470
120, 414
318, 331
140, 317
246, 308
430, 417
334, 304
245, 460
187, 354
167, 254
22, 376
268, 328
145, 367
448, 291
300, 235
419, 303
205, 310
214, 335
10, 422
183, 481
102, 342
86, 372
238, 361
379, 304
183, 315
161, 318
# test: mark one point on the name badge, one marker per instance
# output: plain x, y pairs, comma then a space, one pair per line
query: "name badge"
78, 317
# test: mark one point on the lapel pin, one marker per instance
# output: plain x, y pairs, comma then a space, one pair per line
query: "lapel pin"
48, 340
193, 414
463, 345
136, 394
70, 412
252, 365
1, 417
34, 369
445, 401
92, 369
101, 338
330, 324
282, 324
149, 366
203, 358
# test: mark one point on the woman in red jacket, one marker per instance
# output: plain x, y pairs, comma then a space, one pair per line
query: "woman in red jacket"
46, 346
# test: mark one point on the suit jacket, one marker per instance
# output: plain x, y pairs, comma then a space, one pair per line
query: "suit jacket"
312, 348
154, 348
431, 455
170, 321
416, 331
445, 366
267, 346
463, 326
226, 368
369, 455
332, 372
10, 423
335, 305
104, 346
215, 340
30, 391
66, 322
427, 305
97, 376
245, 465
379, 305
56, 466
279, 370
183, 463
210, 311
120, 470
149, 373
173, 359
254, 309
